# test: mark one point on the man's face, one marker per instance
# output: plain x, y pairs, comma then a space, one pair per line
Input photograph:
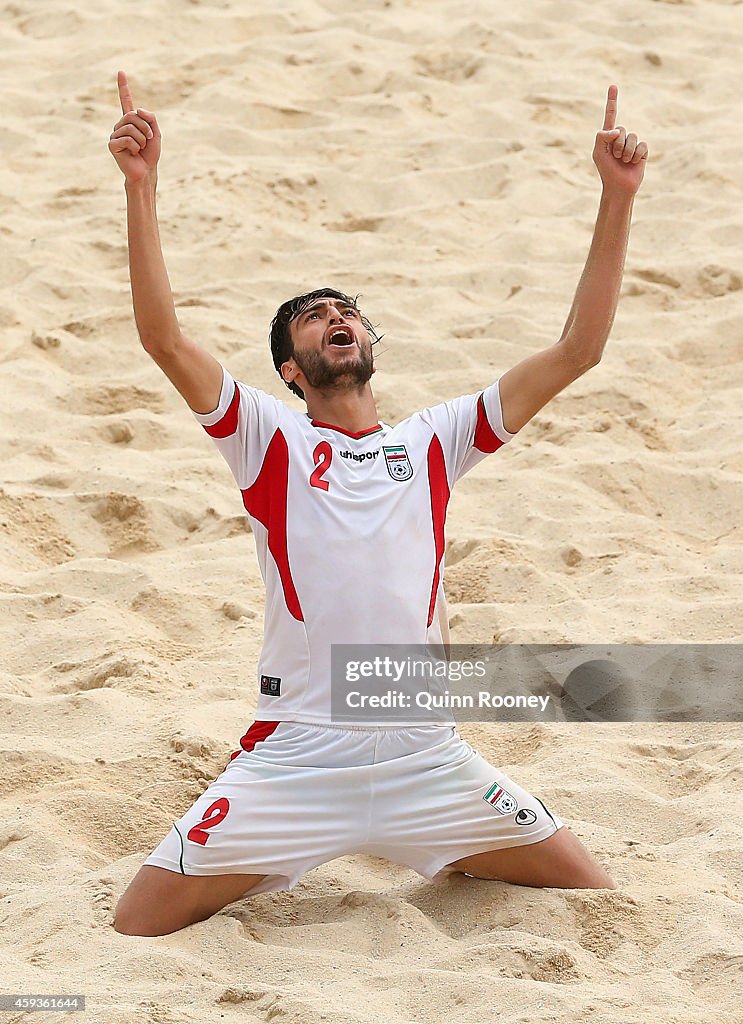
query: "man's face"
343, 361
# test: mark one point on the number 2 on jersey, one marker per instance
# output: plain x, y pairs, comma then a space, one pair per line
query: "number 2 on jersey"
322, 457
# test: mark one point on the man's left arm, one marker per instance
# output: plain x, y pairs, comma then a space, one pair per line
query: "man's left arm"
529, 385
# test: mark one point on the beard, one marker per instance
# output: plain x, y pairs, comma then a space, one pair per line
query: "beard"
324, 373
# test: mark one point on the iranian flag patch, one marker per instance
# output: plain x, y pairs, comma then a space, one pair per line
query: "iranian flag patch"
398, 461
501, 799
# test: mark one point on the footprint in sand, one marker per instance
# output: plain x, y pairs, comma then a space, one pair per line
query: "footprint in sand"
447, 65
194, 746
104, 399
353, 224
604, 920
125, 522
717, 281
26, 518
107, 671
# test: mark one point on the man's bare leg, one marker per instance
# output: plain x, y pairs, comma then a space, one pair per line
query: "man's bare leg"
159, 901
561, 861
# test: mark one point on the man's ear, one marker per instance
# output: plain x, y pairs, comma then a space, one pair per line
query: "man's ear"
289, 371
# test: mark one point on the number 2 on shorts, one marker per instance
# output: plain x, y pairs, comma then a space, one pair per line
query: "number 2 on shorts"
215, 813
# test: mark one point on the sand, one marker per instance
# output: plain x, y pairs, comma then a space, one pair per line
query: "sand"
436, 159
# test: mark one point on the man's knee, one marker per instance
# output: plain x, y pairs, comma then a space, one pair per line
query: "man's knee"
560, 861
129, 923
126, 925
158, 901
132, 918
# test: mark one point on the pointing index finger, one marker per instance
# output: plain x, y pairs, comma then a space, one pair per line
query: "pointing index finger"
125, 94
610, 115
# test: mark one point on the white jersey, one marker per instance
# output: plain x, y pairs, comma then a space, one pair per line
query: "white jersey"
349, 531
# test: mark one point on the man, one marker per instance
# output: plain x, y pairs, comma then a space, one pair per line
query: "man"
348, 517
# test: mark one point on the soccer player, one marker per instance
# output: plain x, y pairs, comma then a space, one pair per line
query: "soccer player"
348, 517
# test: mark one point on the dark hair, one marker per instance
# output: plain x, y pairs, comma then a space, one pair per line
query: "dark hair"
282, 347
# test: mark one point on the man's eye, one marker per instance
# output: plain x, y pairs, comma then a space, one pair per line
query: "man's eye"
314, 312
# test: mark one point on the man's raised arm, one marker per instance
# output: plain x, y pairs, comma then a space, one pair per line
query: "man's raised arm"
135, 144
528, 386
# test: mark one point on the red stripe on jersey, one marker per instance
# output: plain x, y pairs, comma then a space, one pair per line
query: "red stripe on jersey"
257, 732
265, 500
228, 424
439, 488
486, 439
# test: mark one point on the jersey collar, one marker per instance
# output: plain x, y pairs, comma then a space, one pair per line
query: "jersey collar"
348, 433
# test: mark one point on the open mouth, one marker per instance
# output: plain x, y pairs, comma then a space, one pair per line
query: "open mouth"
340, 337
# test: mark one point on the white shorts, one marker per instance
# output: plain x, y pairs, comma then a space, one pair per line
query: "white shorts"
295, 796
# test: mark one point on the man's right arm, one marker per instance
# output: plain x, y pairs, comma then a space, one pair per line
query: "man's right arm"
135, 144
195, 372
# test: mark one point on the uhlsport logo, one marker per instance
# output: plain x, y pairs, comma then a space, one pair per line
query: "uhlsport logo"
525, 816
398, 463
371, 456
501, 799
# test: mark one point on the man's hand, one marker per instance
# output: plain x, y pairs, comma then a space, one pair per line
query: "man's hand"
135, 140
619, 157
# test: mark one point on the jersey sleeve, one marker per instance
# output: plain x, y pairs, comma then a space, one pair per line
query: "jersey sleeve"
241, 427
469, 428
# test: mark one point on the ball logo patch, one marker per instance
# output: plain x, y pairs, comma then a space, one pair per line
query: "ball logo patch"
500, 799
